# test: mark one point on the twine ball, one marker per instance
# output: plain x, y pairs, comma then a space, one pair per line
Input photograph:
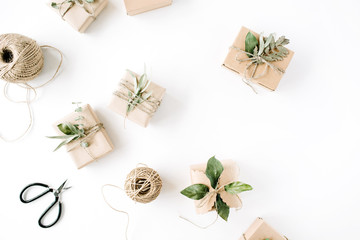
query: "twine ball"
143, 184
21, 59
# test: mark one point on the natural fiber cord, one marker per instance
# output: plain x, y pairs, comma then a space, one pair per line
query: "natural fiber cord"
21, 60
143, 184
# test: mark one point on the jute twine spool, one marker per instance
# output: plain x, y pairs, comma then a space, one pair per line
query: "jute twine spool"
21, 60
143, 184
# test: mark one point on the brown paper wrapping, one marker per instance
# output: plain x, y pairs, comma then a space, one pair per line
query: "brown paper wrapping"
138, 116
260, 230
271, 79
99, 144
134, 7
229, 175
77, 16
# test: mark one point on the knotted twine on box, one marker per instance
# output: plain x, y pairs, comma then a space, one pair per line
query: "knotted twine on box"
142, 185
21, 60
206, 200
149, 105
89, 133
255, 60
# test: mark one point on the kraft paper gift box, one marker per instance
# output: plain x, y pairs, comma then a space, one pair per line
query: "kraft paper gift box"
99, 143
270, 79
80, 17
230, 174
260, 230
143, 112
134, 7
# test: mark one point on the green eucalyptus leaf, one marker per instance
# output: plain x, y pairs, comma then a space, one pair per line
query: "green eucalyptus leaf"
64, 128
66, 142
134, 79
78, 109
146, 86
269, 40
213, 171
222, 208
280, 41
73, 128
195, 191
237, 187
143, 81
250, 43
54, 5
146, 95
61, 137
90, 1
130, 107
60, 145
261, 44
272, 44
136, 87
285, 42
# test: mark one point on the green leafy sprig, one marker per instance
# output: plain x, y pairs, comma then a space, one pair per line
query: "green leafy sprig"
266, 48
139, 95
57, 5
213, 171
72, 132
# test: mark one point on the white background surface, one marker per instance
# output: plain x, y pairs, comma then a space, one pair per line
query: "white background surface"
297, 146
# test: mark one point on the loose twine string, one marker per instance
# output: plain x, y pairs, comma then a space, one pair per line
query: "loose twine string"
142, 184
89, 133
80, 3
205, 200
254, 60
21, 60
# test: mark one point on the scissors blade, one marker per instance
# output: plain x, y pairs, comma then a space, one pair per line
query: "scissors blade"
61, 187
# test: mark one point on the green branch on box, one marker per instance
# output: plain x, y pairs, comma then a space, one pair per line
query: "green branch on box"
266, 48
199, 191
139, 95
72, 132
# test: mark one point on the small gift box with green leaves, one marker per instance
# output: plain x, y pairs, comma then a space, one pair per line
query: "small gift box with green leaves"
137, 98
215, 186
259, 59
79, 13
83, 135
260, 230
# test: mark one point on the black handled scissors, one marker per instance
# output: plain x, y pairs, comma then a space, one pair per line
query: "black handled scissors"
56, 192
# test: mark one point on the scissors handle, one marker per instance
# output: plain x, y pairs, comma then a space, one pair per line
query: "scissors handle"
47, 210
23, 200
